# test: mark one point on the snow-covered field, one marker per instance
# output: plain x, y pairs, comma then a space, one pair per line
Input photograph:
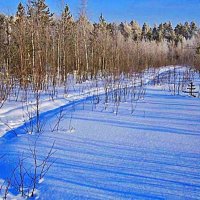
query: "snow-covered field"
151, 153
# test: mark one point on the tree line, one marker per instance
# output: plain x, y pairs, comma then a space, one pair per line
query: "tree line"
38, 48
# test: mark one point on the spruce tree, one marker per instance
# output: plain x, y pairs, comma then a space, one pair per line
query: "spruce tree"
67, 39
149, 34
125, 30
145, 29
160, 32
40, 19
21, 40
155, 33
20, 11
136, 30
186, 31
193, 29
168, 32
102, 20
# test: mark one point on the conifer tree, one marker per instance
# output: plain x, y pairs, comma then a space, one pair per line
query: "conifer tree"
136, 30
168, 32
155, 33
186, 31
102, 20
67, 40
40, 20
19, 34
160, 32
193, 30
145, 30
149, 35
125, 30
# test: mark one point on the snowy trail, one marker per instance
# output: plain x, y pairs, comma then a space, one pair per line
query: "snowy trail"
152, 154
13, 112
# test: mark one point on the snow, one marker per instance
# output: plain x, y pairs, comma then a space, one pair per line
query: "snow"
41, 180
13, 112
152, 153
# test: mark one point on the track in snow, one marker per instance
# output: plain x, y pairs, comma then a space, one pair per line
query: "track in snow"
152, 154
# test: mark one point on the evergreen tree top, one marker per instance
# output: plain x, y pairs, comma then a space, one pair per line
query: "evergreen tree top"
40, 10
102, 19
66, 15
20, 11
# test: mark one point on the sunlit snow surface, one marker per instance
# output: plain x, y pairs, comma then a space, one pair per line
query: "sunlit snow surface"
153, 153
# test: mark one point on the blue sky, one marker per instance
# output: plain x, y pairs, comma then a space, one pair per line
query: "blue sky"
150, 11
